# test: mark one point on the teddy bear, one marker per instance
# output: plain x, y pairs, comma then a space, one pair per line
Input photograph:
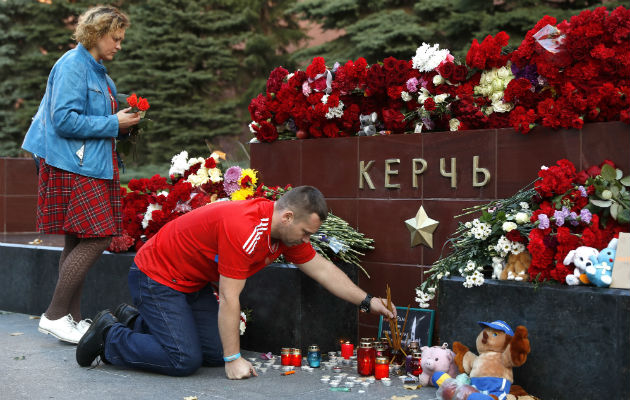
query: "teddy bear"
600, 271
436, 358
581, 259
517, 266
500, 349
368, 124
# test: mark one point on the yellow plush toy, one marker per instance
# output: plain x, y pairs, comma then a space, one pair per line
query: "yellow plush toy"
516, 267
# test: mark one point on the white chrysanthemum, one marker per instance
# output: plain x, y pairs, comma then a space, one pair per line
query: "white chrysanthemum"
423, 298
524, 205
179, 164
148, 215
476, 222
405, 96
477, 278
428, 57
468, 224
469, 282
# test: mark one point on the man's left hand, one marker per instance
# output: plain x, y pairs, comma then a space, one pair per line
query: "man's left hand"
377, 306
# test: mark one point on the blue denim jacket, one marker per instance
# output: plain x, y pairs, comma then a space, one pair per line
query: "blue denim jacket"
74, 125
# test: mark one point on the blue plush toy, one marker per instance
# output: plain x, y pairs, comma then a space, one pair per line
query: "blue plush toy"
600, 273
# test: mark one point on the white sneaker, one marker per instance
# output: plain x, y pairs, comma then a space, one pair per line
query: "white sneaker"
63, 328
83, 325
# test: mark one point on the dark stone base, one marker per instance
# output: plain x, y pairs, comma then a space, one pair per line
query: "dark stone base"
580, 336
30, 274
288, 308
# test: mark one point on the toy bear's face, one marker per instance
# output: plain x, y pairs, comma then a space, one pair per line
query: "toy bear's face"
492, 340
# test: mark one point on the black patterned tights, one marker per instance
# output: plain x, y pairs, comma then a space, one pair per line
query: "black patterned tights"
77, 257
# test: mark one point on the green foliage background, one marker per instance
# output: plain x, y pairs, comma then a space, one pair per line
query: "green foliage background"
200, 62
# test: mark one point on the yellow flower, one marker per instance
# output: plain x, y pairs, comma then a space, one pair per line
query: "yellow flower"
251, 173
242, 194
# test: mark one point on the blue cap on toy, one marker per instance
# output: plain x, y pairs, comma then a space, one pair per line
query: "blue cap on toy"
499, 326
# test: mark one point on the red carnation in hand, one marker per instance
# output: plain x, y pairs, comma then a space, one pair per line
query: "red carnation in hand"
132, 100
143, 104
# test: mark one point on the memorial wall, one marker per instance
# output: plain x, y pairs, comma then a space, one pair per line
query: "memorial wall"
377, 183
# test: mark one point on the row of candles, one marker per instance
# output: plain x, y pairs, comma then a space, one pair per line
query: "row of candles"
373, 357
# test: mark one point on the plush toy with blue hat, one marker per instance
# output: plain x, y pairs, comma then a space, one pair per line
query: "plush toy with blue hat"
500, 349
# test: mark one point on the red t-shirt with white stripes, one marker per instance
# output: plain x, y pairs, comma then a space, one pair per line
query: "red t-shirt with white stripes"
183, 254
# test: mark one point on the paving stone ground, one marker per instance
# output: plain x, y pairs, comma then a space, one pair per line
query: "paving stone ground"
37, 366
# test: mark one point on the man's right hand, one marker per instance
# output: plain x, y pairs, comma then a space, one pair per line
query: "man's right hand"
239, 369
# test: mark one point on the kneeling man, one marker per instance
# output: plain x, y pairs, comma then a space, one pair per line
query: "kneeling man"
178, 324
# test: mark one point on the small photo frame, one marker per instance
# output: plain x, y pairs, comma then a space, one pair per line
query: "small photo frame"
419, 326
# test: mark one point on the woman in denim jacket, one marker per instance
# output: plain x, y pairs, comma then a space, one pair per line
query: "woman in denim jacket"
73, 136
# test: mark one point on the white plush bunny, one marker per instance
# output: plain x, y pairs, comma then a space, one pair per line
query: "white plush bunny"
581, 259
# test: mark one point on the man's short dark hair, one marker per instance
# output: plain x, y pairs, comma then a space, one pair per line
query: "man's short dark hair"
304, 201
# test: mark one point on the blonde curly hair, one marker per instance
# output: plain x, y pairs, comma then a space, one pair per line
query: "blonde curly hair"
97, 22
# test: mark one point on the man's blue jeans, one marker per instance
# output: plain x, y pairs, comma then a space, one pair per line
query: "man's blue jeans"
174, 334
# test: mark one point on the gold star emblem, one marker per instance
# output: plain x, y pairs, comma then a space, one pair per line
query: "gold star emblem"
421, 228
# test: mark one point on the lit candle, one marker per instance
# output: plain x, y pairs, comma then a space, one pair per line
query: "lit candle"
416, 368
296, 357
366, 356
347, 349
285, 356
381, 369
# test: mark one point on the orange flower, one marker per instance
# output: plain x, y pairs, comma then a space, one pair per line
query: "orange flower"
143, 104
132, 100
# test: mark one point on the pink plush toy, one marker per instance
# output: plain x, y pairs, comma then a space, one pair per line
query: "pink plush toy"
435, 359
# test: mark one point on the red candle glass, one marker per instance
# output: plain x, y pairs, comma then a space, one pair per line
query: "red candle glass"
296, 357
347, 350
285, 356
366, 357
416, 367
381, 368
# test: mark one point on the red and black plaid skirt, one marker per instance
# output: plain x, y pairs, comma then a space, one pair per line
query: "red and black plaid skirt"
83, 206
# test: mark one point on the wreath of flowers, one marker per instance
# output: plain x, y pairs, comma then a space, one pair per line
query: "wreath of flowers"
562, 210
149, 204
561, 76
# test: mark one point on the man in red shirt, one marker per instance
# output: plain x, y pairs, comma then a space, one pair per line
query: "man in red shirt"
178, 325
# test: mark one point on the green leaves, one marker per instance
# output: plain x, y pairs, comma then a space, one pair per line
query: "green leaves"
611, 193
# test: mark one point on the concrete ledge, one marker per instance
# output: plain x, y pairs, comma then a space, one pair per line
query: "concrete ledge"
288, 308
580, 335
